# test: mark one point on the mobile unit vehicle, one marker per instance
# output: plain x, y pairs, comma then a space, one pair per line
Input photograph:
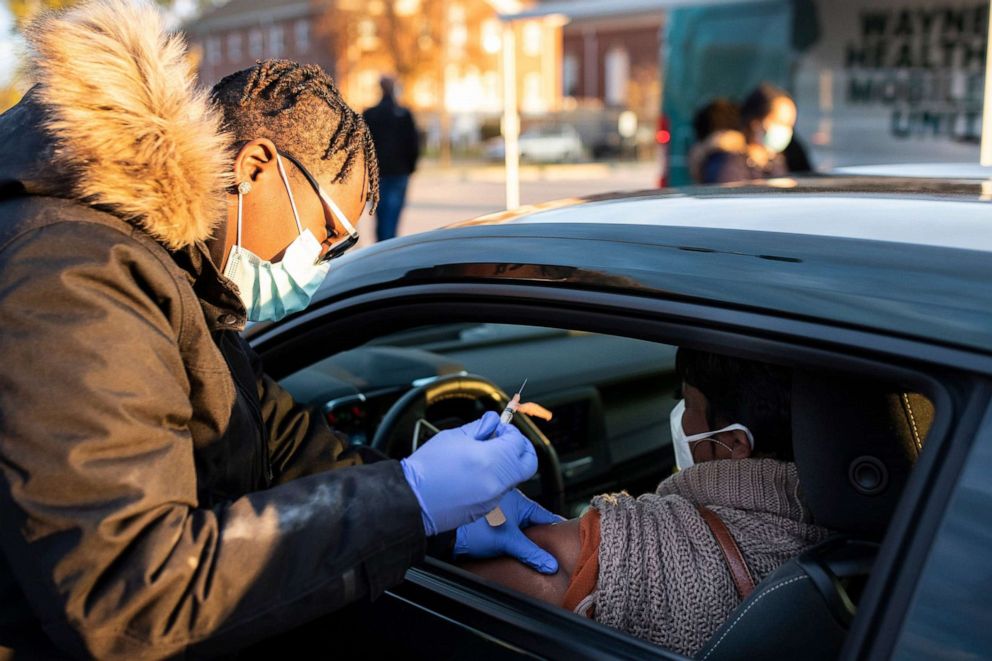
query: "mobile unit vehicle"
875, 81
847, 280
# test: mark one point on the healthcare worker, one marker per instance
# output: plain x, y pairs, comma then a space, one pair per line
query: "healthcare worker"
159, 495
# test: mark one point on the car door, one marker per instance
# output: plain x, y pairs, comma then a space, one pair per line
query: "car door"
439, 610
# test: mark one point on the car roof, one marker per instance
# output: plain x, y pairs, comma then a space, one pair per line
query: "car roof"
969, 171
905, 257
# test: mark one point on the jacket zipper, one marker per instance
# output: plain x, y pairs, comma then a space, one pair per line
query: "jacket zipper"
256, 410
257, 413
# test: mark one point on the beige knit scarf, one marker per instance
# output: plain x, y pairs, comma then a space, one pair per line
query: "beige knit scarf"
662, 576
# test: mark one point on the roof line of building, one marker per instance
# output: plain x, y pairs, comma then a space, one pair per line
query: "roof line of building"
263, 16
577, 9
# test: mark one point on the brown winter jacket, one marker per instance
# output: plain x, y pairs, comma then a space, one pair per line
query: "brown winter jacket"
146, 505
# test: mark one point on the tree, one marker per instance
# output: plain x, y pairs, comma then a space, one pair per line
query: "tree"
416, 40
24, 11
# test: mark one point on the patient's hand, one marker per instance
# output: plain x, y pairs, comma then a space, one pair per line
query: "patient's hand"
560, 540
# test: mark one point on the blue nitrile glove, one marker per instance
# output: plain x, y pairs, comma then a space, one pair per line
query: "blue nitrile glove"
481, 540
459, 475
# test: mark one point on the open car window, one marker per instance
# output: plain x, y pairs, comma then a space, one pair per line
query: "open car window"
612, 397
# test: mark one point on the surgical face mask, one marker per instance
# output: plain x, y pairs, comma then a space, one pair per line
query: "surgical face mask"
271, 291
683, 444
777, 137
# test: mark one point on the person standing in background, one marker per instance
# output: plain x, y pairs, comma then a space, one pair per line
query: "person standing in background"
768, 117
397, 148
717, 129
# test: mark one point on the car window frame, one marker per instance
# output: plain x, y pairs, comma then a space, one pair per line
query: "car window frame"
753, 335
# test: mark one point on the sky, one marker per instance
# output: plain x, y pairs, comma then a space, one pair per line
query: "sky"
8, 46
9, 43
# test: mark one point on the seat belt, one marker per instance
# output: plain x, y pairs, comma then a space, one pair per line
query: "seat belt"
739, 571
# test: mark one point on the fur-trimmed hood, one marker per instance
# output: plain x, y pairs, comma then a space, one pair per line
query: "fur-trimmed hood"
116, 121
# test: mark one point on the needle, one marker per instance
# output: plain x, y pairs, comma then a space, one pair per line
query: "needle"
496, 517
511, 406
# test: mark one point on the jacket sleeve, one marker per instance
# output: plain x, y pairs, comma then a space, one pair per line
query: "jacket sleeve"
98, 508
724, 168
300, 442
412, 138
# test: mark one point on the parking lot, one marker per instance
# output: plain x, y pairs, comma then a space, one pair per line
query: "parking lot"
439, 196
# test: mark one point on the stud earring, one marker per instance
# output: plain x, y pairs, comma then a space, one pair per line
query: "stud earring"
244, 187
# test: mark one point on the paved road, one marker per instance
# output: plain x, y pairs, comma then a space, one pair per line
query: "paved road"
441, 196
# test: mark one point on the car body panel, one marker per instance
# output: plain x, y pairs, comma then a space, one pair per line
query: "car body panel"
913, 264
950, 610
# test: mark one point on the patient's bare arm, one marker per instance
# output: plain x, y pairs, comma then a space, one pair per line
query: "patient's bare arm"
560, 540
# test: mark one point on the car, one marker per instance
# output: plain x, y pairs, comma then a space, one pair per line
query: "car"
851, 281
549, 143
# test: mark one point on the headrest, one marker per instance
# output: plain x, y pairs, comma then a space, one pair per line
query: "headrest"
855, 442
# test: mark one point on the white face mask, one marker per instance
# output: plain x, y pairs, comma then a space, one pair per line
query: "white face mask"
683, 444
777, 137
271, 291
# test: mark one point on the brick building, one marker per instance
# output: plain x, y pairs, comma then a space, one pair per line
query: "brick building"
614, 60
234, 35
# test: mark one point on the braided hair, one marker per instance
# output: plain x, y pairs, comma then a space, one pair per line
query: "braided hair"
298, 108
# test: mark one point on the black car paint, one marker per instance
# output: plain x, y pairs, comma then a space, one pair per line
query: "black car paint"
920, 303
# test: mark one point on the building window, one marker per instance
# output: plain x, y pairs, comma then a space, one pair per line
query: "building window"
234, 47
492, 35
457, 31
213, 50
570, 75
532, 38
255, 44
492, 93
275, 41
301, 33
617, 76
533, 99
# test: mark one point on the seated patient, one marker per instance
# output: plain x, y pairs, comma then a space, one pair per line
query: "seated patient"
651, 566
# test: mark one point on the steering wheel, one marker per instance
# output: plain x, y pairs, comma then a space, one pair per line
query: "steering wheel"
395, 435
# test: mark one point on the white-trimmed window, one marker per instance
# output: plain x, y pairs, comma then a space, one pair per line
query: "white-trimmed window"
255, 48
234, 47
570, 74
532, 38
276, 44
617, 76
213, 50
301, 34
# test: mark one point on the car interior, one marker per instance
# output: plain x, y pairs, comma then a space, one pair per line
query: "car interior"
856, 437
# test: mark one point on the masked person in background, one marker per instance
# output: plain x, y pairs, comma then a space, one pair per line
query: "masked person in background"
652, 566
768, 117
159, 494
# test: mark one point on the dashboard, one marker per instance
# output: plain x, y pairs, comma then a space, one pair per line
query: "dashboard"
611, 396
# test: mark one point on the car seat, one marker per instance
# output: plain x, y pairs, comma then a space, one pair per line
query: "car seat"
855, 442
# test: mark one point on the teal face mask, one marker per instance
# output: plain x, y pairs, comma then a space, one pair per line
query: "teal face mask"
270, 291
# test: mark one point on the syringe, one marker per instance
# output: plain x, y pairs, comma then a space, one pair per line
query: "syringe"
496, 517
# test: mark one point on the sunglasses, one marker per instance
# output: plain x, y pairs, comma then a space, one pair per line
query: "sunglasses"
339, 248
